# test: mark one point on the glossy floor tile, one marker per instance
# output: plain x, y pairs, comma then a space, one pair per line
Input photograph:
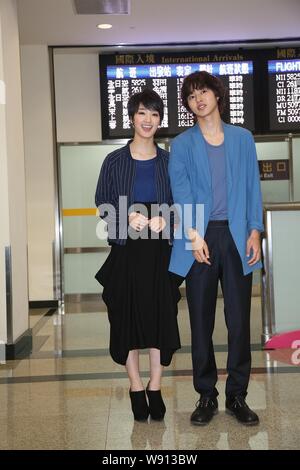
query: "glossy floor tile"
69, 394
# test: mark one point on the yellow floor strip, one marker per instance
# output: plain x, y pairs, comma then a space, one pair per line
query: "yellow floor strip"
81, 211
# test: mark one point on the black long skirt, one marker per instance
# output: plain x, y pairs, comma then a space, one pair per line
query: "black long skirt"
141, 296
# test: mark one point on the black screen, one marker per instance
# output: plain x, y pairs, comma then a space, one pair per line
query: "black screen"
119, 82
284, 94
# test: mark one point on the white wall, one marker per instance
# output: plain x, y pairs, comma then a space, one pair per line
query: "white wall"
4, 232
40, 198
12, 149
77, 96
77, 101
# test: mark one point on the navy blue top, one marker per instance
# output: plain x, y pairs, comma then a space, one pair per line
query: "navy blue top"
144, 184
117, 178
217, 164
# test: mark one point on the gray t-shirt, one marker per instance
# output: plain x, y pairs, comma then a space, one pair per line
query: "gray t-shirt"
216, 157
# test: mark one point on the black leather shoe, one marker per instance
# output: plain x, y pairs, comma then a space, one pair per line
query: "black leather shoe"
238, 407
157, 407
139, 405
205, 410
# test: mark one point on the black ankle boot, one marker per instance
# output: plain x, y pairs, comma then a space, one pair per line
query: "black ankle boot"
139, 405
156, 405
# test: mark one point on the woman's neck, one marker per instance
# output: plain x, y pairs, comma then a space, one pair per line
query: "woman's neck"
142, 149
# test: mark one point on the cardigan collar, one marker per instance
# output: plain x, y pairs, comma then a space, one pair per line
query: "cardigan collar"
229, 154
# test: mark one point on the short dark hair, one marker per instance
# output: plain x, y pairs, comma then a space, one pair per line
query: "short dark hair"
149, 98
200, 80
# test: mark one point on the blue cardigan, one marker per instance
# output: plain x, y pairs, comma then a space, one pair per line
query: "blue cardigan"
117, 178
191, 184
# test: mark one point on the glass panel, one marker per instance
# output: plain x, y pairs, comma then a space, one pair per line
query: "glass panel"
274, 191
81, 231
79, 170
80, 270
286, 261
296, 161
80, 166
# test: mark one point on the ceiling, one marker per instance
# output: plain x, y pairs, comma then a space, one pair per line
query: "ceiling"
54, 22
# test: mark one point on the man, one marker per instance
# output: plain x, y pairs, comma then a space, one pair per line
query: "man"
215, 165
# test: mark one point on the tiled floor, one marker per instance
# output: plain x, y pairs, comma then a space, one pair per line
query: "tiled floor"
70, 395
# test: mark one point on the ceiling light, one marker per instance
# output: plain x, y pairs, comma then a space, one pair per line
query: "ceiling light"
104, 26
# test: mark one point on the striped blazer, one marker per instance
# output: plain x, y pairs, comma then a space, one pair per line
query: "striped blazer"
117, 176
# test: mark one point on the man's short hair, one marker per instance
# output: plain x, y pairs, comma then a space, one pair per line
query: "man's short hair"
200, 80
150, 99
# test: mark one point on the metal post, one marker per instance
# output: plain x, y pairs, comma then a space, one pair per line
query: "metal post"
9, 300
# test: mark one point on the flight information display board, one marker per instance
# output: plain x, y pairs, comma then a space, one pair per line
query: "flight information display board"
284, 94
120, 81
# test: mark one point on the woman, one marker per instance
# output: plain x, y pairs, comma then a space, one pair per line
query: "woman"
140, 294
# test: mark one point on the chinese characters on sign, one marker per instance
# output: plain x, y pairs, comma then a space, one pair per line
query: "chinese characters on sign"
274, 170
284, 94
123, 80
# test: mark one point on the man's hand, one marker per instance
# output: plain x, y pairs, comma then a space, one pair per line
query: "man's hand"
253, 244
137, 221
157, 224
199, 246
